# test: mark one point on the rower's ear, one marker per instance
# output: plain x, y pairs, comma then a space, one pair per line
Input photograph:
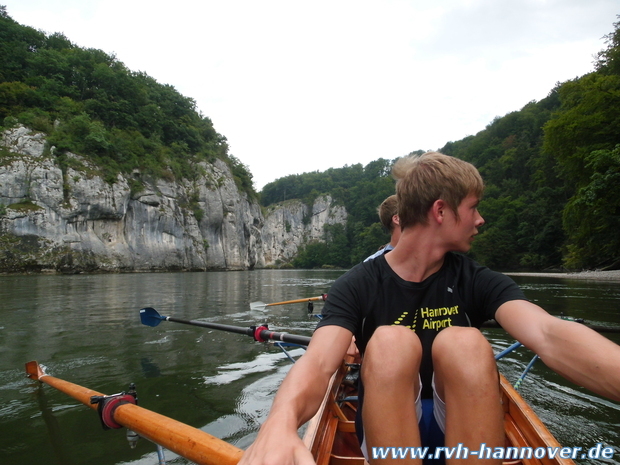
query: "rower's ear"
437, 211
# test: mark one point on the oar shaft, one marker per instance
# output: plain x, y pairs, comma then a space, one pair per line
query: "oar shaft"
260, 335
296, 301
191, 443
76, 391
284, 337
221, 327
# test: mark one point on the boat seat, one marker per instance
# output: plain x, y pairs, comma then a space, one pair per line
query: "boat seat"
347, 426
337, 460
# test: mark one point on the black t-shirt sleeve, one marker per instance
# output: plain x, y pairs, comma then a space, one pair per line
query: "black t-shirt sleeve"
492, 289
343, 304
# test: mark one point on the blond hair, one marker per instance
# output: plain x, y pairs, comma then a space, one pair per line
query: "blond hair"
423, 179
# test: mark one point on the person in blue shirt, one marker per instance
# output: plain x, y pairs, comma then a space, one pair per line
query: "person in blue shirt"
388, 215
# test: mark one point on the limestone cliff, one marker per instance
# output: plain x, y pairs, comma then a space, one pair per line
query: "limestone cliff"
291, 224
70, 219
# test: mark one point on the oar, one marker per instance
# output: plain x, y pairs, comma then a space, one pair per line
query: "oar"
262, 305
191, 443
151, 317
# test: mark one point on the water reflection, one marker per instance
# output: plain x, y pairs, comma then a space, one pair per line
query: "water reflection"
86, 329
596, 302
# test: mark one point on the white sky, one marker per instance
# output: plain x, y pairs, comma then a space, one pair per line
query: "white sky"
299, 86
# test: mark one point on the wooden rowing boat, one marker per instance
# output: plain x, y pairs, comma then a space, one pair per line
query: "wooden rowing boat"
331, 437
331, 433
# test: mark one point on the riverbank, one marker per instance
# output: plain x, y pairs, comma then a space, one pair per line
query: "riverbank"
590, 275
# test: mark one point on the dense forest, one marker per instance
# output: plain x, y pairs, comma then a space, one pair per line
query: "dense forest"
552, 169
552, 175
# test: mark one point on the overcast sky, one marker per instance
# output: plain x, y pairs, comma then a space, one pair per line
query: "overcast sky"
299, 86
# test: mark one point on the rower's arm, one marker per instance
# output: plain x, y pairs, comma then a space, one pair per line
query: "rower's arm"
571, 349
298, 399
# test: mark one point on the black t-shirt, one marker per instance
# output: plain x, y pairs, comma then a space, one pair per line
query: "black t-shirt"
461, 293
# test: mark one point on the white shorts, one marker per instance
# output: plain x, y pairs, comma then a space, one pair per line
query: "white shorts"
439, 407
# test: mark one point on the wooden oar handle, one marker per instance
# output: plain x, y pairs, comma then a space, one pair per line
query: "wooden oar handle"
191, 443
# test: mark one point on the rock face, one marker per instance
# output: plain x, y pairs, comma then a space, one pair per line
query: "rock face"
291, 224
72, 220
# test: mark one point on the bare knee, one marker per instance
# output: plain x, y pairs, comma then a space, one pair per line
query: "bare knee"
393, 339
468, 341
393, 351
465, 353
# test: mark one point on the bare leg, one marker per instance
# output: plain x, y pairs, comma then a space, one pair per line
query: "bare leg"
466, 379
391, 384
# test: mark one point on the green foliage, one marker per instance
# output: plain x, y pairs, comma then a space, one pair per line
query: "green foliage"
608, 60
15, 97
36, 119
24, 206
588, 120
194, 206
497, 245
368, 240
592, 215
337, 253
242, 176
331, 252
89, 103
312, 255
523, 199
335, 181
583, 137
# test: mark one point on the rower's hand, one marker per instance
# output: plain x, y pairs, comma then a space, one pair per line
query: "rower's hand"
277, 447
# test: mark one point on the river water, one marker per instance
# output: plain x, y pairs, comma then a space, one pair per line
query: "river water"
86, 329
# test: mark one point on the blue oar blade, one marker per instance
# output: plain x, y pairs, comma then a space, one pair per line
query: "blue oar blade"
150, 317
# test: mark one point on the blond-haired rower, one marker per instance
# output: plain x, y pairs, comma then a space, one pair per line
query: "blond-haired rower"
415, 313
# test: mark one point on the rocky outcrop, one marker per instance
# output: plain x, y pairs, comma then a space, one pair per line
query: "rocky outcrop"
291, 224
70, 219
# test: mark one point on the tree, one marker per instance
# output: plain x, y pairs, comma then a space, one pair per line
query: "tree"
588, 120
368, 240
592, 216
608, 60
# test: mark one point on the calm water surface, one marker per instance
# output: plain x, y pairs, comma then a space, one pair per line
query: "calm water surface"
86, 329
